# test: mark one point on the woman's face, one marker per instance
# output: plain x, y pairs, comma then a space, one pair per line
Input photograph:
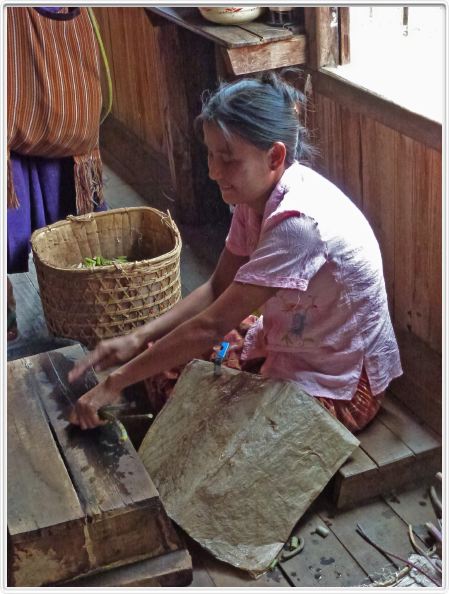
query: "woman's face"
243, 172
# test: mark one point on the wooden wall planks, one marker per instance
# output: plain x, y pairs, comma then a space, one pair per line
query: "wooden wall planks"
159, 71
134, 72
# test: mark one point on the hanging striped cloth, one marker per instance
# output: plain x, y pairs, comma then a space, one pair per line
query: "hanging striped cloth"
54, 95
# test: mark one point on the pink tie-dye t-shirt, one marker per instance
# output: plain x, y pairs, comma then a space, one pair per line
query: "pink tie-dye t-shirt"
330, 316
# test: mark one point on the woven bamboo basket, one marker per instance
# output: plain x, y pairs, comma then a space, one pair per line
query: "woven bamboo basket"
91, 304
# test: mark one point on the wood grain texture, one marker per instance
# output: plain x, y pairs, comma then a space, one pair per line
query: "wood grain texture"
230, 36
324, 562
45, 518
138, 164
344, 35
86, 497
359, 100
413, 505
382, 525
379, 158
396, 449
321, 24
180, 83
420, 388
288, 52
419, 438
130, 42
170, 570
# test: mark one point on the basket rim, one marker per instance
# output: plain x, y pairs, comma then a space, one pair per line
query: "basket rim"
71, 219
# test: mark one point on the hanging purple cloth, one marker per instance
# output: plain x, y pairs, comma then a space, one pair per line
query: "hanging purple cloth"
46, 192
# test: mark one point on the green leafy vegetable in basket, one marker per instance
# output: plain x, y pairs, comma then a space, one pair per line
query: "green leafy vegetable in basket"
100, 261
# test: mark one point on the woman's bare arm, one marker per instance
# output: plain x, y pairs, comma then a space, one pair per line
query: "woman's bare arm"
185, 342
121, 349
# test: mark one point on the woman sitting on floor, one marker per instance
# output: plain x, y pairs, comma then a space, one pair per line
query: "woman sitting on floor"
298, 250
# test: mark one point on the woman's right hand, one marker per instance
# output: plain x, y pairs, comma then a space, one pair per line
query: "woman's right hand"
108, 353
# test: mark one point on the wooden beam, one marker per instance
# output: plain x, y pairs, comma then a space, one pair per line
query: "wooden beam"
228, 36
343, 35
287, 52
180, 83
322, 36
363, 101
172, 569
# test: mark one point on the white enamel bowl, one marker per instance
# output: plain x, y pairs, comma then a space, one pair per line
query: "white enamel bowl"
231, 15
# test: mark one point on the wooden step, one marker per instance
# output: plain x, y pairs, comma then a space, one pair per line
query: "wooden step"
395, 449
170, 570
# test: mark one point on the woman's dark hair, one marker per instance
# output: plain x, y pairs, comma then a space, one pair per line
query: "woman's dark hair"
262, 110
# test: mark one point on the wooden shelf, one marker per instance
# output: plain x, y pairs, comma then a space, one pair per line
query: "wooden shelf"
229, 36
252, 47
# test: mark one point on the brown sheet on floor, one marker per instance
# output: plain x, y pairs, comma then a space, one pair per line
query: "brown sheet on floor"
237, 459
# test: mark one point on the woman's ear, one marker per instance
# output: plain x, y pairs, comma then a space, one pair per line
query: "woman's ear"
277, 155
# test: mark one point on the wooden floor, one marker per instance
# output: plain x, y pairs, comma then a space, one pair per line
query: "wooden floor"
343, 558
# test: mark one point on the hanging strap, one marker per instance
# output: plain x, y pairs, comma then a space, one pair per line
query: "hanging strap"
96, 29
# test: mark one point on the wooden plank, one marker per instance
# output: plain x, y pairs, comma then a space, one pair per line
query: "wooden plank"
170, 570
108, 474
435, 247
381, 524
427, 232
344, 35
225, 35
423, 261
59, 500
137, 163
243, 36
414, 507
330, 139
419, 401
209, 205
352, 178
174, 105
358, 464
403, 238
324, 562
360, 100
129, 39
395, 450
45, 518
122, 516
321, 25
268, 56
351, 488
420, 388
419, 438
30, 316
357, 479
383, 446
222, 66
379, 158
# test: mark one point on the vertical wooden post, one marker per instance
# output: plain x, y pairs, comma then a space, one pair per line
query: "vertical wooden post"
182, 77
343, 34
322, 29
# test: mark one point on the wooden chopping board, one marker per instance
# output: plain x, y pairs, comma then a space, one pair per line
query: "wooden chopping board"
77, 500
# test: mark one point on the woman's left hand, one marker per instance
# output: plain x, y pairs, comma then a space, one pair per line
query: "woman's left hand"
85, 411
